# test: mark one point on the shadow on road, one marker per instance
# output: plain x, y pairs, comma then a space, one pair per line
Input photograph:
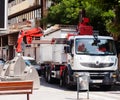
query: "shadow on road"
92, 88
55, 84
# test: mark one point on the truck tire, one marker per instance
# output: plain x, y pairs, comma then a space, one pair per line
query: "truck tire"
67, 79
48, 77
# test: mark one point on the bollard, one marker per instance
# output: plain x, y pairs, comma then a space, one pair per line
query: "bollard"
83, 84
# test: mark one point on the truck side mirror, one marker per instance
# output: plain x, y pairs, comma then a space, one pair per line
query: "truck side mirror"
69, 42
67, 49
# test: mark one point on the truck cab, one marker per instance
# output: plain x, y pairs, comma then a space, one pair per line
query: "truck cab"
96, 55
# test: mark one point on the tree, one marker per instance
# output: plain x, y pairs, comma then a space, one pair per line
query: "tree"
104, 14
98, 13
111, 14
114, 25
64, 12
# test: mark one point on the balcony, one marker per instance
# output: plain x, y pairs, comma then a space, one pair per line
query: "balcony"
23, 7
25, 25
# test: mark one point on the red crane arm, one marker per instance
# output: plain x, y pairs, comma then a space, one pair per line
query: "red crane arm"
29, 34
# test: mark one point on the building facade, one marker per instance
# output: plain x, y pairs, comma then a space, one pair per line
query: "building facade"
22, 15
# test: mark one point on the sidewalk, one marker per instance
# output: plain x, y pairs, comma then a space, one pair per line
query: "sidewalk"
52, 92
44, 93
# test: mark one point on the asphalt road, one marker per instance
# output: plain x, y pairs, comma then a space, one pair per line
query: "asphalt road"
55, 92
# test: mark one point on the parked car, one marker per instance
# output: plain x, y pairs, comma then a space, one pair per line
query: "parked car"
31, 61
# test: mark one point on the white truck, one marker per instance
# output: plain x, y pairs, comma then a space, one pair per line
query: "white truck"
76, 54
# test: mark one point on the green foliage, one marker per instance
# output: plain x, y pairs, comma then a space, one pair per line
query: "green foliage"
113, 28
65, 12
100, 12
95, 15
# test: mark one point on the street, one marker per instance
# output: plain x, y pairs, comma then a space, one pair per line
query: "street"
55, 92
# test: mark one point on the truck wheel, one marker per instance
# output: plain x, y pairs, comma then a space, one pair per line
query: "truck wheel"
67, 79
49, 79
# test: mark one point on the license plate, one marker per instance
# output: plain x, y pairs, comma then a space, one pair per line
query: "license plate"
97, 81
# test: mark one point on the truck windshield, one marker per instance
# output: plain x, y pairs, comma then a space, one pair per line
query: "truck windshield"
91, 47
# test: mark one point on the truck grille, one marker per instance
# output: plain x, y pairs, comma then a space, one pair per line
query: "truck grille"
94, 65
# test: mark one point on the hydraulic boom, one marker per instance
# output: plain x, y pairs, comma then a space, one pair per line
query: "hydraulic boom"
29, 34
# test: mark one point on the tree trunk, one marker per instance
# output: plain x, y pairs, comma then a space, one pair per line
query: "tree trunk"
117, 15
